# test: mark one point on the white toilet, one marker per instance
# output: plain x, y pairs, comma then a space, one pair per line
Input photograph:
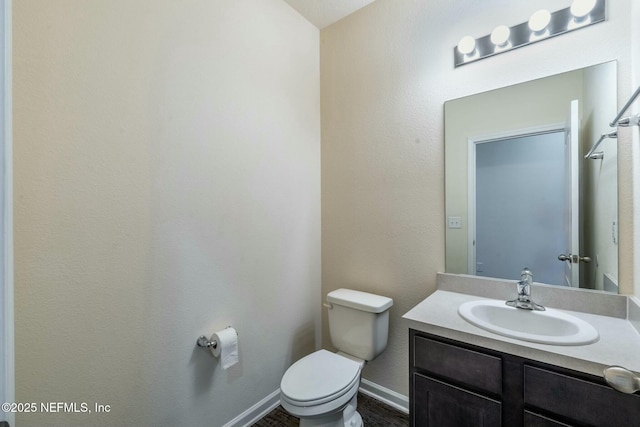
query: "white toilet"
321, 389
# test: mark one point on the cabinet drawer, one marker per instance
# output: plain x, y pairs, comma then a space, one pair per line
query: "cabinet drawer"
579, 400
470, 368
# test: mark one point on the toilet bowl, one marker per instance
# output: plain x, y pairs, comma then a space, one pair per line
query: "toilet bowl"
322, 388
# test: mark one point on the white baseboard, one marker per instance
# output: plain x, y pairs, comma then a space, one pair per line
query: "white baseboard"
261, 409
395, 400
257, 411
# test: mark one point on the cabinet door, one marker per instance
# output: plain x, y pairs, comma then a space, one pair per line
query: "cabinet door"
437, 404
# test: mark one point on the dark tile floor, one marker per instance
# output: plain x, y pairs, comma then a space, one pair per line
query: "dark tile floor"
374, 414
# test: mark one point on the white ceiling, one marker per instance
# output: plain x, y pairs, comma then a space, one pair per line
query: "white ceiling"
323, 13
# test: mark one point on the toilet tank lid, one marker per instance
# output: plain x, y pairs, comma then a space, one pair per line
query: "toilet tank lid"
359, 300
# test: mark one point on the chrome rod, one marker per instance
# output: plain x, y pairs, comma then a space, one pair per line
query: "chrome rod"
625, 108
613, 134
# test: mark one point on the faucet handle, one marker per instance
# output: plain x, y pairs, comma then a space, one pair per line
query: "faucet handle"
523, 288
526, 279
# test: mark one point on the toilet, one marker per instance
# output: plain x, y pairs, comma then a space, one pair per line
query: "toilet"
321, 389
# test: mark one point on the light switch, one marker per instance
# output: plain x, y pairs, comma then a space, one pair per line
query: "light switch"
455, 222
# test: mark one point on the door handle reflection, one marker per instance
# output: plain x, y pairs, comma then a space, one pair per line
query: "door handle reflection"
574, 258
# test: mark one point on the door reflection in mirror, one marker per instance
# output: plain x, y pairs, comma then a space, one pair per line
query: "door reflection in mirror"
519, 210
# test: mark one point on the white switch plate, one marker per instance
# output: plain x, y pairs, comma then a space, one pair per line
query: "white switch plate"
455, 222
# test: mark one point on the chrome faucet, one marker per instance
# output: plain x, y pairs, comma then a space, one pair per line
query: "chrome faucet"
524, 293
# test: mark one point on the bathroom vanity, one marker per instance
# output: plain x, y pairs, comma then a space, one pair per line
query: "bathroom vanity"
461, 375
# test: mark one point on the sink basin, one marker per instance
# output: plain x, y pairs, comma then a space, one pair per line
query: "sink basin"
545, 327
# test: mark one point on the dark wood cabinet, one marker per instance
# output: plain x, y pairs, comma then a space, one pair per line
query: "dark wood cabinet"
454, 384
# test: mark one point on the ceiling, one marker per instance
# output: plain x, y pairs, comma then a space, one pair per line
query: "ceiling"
323, 13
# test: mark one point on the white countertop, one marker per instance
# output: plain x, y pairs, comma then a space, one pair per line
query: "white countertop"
619, 342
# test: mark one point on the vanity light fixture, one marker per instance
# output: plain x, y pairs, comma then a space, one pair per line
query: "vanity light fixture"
541, 25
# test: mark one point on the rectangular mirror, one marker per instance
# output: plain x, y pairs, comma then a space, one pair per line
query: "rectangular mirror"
519, 190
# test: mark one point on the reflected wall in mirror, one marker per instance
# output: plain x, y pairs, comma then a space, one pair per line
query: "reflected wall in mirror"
519, 192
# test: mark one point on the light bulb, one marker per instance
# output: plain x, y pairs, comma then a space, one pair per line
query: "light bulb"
500, 35
582, 8
539, 20
466, 45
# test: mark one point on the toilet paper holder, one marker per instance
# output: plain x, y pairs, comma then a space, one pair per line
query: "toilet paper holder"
206, 343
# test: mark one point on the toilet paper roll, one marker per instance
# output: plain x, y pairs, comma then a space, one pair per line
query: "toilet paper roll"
227, 348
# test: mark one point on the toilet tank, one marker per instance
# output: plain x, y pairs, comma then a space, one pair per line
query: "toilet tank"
358, 322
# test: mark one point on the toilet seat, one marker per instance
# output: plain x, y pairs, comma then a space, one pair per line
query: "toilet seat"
319, 378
